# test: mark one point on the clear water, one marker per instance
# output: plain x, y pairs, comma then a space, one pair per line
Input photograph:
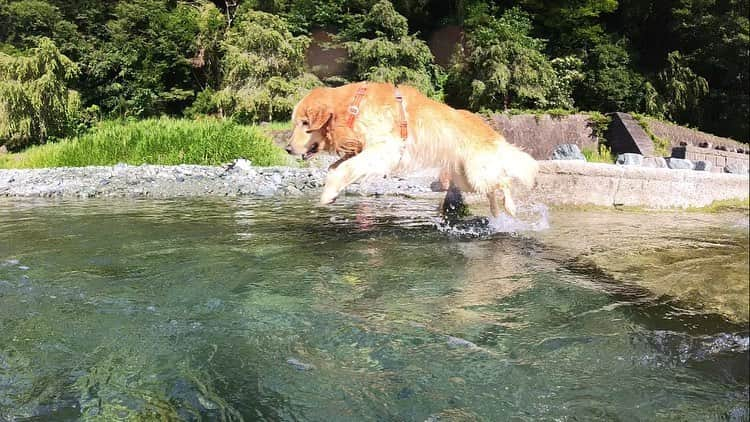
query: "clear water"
280, 310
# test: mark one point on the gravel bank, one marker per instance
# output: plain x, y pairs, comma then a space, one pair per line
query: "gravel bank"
236, 179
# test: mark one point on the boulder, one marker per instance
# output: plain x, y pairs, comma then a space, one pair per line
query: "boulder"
630, 159
735, 169
680, 164
567, 152
655, 162
701, 165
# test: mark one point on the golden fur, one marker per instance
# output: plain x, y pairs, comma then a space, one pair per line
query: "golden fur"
469, 152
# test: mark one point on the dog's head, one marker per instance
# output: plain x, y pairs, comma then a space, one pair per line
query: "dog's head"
312, 121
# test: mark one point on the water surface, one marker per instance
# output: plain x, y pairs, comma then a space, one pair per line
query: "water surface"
368, 310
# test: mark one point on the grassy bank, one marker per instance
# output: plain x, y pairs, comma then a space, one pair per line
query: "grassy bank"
153, 141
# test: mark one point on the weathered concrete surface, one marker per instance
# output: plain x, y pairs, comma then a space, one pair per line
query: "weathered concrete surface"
625, 135
559, 183
577, 183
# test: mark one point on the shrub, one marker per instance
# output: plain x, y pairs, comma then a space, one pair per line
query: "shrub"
35, 102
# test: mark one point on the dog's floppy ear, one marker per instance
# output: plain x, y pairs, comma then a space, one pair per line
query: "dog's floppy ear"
319, 116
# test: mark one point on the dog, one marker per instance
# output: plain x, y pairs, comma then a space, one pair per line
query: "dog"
379, 129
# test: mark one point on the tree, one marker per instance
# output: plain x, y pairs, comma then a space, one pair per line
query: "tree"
381, 49
572, 25
35, 101
263, 69
611, 84
681, 89
141, 67
503, 65
715, 39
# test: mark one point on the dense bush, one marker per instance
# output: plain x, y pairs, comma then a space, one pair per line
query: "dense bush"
503, 66
263, 70
381, 49
35, 102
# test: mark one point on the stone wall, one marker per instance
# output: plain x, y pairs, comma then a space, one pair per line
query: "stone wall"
539, 134
718, 158
680, 135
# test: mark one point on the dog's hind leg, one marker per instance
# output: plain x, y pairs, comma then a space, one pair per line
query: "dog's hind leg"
378, 159
508, 204
494, 205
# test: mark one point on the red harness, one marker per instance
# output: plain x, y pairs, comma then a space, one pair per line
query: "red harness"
354, 110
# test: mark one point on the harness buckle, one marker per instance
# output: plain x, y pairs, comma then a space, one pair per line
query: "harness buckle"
353, 109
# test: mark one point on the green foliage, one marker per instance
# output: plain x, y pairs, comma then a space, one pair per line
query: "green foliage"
263, 68
571, 25
567, 76
611, 84
142, 67
714, 35
154, 141
681, 89
599, 124
381, 50
23, 23
686, 60
505, 66
35, 102
662, 147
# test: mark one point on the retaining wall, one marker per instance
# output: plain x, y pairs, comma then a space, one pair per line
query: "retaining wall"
540, 134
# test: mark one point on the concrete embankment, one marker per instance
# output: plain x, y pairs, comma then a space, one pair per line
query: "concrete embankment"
559, 183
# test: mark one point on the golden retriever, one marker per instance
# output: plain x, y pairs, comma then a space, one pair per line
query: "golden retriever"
379, 129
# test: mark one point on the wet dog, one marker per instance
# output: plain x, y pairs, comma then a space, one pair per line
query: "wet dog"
379, 129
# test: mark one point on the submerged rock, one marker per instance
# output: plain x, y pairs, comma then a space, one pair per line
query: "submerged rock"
300, 366
456, 342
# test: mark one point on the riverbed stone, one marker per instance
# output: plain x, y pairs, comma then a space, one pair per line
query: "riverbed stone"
456, 342
680, 164
702, 165
630, 159
567, 152
655, 162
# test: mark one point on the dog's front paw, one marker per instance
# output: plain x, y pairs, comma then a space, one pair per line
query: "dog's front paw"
328, 198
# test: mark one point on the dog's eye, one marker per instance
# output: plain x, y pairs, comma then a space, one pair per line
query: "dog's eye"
305, 123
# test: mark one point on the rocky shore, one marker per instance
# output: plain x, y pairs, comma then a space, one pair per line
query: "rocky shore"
239, 178
560, 182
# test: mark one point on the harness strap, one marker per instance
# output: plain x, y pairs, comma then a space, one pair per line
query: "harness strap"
402, 111
354, 107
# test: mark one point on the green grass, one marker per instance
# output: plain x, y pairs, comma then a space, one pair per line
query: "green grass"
601, 155
162, 141
662, 147
724, 205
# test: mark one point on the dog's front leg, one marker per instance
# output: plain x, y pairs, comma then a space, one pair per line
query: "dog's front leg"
379, 159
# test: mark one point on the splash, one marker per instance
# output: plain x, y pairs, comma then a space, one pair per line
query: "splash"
532, 218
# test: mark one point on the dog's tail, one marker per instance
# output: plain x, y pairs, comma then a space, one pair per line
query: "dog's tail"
486, 170
518, 164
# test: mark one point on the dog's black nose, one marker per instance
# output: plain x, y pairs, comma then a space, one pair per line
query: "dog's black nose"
288, 149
